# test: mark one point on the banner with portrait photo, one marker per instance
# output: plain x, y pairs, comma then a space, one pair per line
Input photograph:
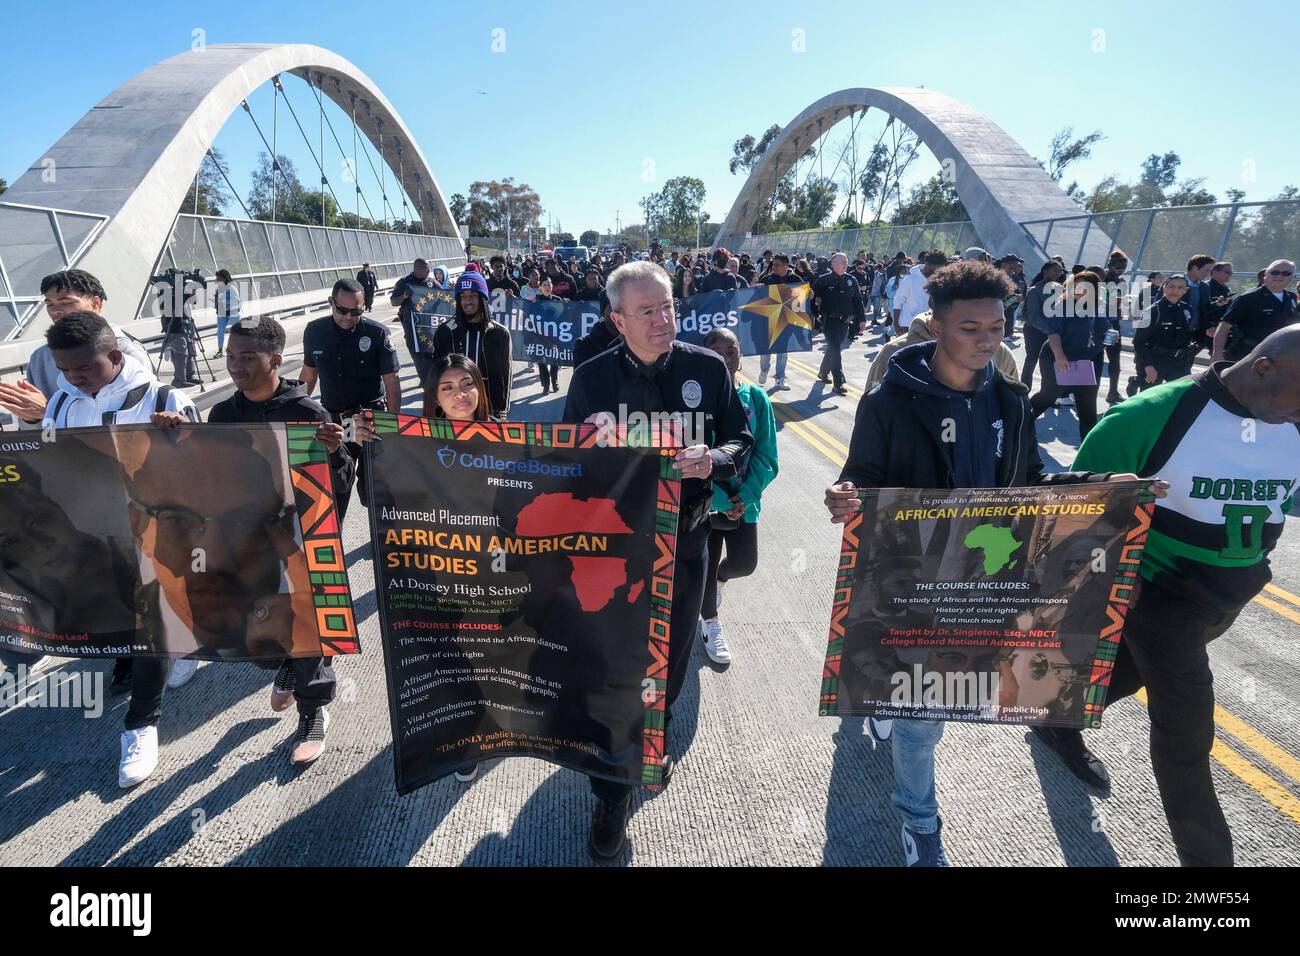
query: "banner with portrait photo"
524, 581
218, 542
430, 308
765, 319
988, 605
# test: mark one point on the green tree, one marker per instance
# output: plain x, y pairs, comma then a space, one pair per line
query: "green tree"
211, 185
459, 206
934, 200
1157, 185
805, 207
1064, 151
488, 201
746, 153
3, 186
674, 210
589, 238
280, 185
563, 239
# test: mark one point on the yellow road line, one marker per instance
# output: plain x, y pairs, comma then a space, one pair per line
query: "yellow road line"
1283, 593
791, 416
1241, 768
1277, 608
1257, 742
809, 370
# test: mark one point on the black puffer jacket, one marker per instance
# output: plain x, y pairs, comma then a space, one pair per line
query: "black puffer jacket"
897, 437
290, 404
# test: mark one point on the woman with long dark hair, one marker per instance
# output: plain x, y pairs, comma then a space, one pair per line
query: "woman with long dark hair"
455, 390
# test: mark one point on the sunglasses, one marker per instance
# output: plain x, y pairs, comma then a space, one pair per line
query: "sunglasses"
1280, 273
355, 313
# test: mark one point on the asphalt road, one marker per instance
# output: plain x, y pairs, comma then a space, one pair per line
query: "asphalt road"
761, 778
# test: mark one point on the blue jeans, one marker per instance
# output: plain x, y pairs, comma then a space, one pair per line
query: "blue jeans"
782, 359
912, 745
224, 322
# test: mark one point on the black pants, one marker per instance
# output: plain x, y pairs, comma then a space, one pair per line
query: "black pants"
832, 364
691, 564
313, 682
1167, 369
423, 366
148, 684
1085, 396
550, 374
741, 544
370, 299
1035, 339
313, 687
1164, 650
1112, 368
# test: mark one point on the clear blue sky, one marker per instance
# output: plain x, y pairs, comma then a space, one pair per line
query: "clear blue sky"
585, 93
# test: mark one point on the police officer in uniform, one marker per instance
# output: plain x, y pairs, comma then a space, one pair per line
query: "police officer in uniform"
1165, 347
653, 372
356, 364
837, 301
1257, 314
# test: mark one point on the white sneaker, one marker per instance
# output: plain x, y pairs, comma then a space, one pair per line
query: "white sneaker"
467, 774
182, 671
139, 756
715, 645
880, 728
762, 377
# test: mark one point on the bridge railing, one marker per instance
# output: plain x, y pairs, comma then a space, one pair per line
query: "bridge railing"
1250, 235
285, 266
38, 240
876, 240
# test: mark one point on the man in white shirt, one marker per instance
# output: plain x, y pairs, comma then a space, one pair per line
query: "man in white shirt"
912, 299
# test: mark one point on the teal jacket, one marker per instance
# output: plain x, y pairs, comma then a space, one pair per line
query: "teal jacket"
762, 461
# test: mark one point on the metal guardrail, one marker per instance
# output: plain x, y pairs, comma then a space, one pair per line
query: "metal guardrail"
1250, 235
39, 240
286, 261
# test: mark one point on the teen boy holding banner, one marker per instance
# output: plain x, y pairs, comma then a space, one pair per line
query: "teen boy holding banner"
899, 442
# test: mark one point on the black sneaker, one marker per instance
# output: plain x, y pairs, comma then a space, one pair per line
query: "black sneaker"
608, 835
1113, 398
1082, 762
841, 390
669, 766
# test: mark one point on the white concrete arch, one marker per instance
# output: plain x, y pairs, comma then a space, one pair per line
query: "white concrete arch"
1000, 184
133, 156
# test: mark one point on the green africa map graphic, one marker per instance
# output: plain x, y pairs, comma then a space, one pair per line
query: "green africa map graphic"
998, 545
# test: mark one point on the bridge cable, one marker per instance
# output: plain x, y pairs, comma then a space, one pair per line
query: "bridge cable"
297, 122
343, 152
233, 190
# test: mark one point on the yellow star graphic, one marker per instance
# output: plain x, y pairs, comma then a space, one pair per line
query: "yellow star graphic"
783, 306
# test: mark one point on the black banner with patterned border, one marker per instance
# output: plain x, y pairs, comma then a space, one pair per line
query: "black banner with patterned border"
524, 581
217, 542
987, 605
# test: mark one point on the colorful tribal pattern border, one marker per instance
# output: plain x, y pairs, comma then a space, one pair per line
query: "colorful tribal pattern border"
322, 541
1117, 605
652, 439
829, 703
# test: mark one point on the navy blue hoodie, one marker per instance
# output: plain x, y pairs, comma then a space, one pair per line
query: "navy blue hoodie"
977, 445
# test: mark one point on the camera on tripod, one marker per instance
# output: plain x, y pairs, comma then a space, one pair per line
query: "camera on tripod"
176, 294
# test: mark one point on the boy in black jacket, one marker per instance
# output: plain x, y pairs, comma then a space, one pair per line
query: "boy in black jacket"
473, 332
944, 417
254, 354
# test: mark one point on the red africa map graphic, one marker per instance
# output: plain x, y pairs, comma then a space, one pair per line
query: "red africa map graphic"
594, 579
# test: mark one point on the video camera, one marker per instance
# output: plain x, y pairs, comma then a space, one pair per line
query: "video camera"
174, 292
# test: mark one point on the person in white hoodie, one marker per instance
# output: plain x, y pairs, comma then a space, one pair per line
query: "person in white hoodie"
100, 385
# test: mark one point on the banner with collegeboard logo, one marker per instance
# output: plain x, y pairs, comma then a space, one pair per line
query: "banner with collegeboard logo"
524, 581
988, 605
218, 542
